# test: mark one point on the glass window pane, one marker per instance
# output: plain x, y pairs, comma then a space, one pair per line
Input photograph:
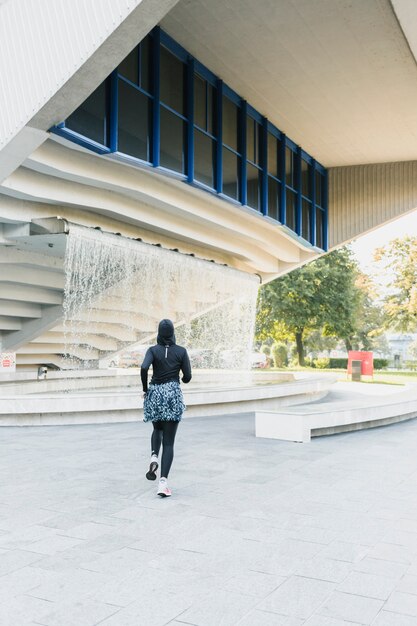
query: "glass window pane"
319, 189
129, 67
230, 124
134, 122
273, 155
231, 174
203, 159
289, 167
305, 226
319, 228
145, 64
172, 141
305, 179
273, 198
90, 118
250, 140
253, 187
172, 81
211, 109
290, 203
200, 102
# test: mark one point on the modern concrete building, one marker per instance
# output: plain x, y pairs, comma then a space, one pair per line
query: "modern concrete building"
257, 134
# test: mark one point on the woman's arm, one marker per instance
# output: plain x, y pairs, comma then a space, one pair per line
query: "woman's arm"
147, 362
186, 368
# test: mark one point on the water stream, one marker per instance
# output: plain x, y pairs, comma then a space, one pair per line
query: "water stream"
117, 290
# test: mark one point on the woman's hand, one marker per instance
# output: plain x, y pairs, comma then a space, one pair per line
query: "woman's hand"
144, 394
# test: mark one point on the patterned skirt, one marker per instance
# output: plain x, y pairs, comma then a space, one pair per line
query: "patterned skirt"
164, 402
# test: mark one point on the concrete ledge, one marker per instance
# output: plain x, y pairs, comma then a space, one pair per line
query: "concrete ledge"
301, 423
123, 405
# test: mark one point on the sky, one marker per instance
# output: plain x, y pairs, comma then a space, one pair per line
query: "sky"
364, 246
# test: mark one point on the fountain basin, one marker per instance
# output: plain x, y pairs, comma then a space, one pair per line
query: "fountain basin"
103, 405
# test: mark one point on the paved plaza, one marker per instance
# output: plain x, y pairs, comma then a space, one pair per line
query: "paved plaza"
258, 532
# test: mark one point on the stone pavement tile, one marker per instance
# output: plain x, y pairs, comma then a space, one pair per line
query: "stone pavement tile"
386, 618
87, 530
15, 559
342, 551
69, 585
317, 535
320, 620
108, 543
368, 585
351, 608
66, 560
407, 584
253, 583
390, 552
118, 561
54, 544
222, 608
324, 569
23, 537
22, 581
21, 609
402, 538
409, 525
263, 618
81, 612
149, 611
405, 603
298, 597
381, 567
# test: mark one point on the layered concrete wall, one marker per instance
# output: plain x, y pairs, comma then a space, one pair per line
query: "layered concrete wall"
363, 197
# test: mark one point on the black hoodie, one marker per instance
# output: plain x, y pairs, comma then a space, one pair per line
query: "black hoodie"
166, 358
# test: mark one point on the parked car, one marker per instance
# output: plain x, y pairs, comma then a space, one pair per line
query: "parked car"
259, 360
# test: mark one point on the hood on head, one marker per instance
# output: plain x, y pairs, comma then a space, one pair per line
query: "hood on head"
166, 336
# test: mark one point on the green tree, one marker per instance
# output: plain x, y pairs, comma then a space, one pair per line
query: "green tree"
321, 296
400, 255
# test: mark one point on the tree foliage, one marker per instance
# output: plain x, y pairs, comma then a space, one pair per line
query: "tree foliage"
329, 295
400, 255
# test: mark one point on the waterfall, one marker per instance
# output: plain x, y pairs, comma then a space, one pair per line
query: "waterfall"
112, 280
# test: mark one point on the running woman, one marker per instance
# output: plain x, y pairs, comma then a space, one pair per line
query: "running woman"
163, 404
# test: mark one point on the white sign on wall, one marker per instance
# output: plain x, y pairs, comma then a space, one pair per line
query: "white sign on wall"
7, 362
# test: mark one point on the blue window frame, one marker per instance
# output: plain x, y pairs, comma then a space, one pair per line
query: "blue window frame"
163, 108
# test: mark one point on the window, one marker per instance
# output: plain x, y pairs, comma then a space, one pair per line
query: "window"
218, 141
290, 167
172, 81
204, 150
204, 131
274, 176
172, 142
231, 149
291, 204
305, 219
134, 122
91, 118
253, 165
305, 179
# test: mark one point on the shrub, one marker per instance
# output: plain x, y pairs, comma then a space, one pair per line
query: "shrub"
280, 355
380, 364
266, 349
340, 364
322, 363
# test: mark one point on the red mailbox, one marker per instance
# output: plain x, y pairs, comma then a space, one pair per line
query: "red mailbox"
366, 358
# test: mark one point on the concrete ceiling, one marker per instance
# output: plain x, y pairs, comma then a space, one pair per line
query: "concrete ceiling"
337, 76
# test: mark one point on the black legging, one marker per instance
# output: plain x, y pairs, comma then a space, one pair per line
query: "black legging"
164, 432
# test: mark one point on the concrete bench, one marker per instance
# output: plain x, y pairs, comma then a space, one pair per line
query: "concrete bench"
304, 421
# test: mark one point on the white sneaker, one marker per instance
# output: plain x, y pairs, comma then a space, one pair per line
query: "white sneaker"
163, 489
151, 474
